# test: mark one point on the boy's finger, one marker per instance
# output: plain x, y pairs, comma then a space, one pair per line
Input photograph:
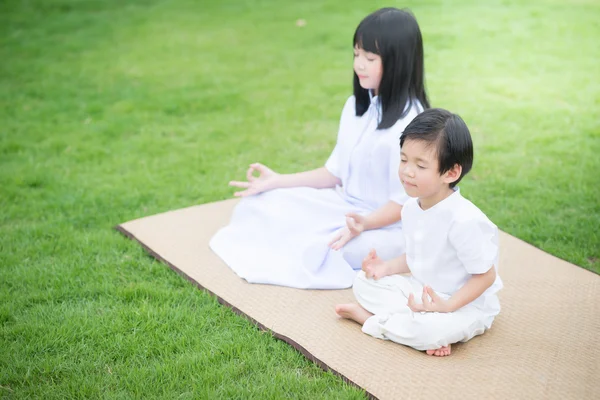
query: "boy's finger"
411, 302
342, 242
336, 237
354, 216
432, 294
351, 225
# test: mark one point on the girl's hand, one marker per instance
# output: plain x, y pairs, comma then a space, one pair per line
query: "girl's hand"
265, 181
355, 225
374, 267
436, 304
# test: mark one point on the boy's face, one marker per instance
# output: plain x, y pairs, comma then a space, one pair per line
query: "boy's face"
368, 68
419, 173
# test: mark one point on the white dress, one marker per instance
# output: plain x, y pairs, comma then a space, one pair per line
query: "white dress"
281, 237
445, 245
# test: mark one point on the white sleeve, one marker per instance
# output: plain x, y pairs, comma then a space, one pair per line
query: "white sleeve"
333, 162
476, 244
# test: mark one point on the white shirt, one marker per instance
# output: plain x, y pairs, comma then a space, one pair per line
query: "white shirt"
449, 242
366, 159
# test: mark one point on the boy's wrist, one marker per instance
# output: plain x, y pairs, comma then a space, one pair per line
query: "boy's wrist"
367, 224
451, 305
387, 269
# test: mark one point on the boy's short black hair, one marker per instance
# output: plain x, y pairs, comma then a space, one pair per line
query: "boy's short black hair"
448, 133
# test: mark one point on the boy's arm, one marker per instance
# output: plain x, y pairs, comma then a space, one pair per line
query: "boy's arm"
397, 265
471, 290
356, 224
475, 286
385, 215
376, 268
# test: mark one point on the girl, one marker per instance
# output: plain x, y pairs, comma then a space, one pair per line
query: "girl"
451, 249
312, 229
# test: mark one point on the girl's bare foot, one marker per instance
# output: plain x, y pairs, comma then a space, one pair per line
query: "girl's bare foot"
353, 311
441, 352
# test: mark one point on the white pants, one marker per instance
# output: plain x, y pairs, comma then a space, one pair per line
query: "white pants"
387, 299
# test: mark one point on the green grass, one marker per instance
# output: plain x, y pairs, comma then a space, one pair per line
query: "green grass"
111, 111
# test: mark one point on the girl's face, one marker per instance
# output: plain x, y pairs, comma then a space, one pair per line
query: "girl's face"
368, 68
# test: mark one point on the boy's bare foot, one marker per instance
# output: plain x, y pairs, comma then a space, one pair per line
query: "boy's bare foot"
353, 311
441, 352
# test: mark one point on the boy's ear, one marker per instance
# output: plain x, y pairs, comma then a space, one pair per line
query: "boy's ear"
453, 174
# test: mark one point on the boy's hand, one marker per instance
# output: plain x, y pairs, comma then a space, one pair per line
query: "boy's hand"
436, 304
374, 267
355, 225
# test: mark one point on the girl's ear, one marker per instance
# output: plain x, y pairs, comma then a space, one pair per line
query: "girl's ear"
453, 174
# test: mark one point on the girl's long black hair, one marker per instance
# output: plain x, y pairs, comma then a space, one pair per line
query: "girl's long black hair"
395, 36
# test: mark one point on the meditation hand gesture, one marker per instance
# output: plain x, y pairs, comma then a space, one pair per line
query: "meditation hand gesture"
265, 181
355, 225
374, 266
436, 304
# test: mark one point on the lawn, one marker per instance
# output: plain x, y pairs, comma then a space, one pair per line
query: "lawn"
113, 110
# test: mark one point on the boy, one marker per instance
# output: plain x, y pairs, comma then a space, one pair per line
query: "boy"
451, 249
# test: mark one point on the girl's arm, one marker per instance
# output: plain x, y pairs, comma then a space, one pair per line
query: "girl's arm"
319, 178
268, 179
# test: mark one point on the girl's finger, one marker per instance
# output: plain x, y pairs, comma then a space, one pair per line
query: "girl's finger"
259, 167
240, 184
249, 175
